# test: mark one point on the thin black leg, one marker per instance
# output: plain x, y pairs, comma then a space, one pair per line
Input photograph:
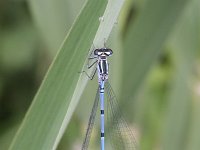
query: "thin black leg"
93, 74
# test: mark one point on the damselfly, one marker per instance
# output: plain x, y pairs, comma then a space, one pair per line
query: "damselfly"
121, 135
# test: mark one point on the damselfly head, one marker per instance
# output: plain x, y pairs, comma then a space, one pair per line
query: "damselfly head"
103, 52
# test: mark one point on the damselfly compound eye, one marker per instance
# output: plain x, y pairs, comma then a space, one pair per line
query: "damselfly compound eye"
96, 51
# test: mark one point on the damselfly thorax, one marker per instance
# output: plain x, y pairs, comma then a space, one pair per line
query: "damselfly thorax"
102, 63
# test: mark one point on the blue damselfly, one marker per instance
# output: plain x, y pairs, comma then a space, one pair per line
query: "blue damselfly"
121, 135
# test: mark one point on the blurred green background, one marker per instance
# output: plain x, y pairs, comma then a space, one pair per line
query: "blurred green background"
166, 104
27, 47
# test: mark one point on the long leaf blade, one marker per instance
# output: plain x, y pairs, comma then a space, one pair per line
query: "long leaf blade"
43, 124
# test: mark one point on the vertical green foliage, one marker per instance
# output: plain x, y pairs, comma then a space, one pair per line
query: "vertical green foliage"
54, 19
144, 40
45, 121
184, 44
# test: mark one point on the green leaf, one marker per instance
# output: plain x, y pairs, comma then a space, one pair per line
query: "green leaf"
51, 109
184, 45
54, 19
56, 100
7, 135
144, 40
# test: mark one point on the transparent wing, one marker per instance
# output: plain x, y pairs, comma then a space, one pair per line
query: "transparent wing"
122, 137
91, 123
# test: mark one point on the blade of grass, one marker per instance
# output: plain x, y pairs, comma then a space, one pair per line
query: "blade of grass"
184, 44
58, 96
7, 135
144, 41
54, 19
43, 123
